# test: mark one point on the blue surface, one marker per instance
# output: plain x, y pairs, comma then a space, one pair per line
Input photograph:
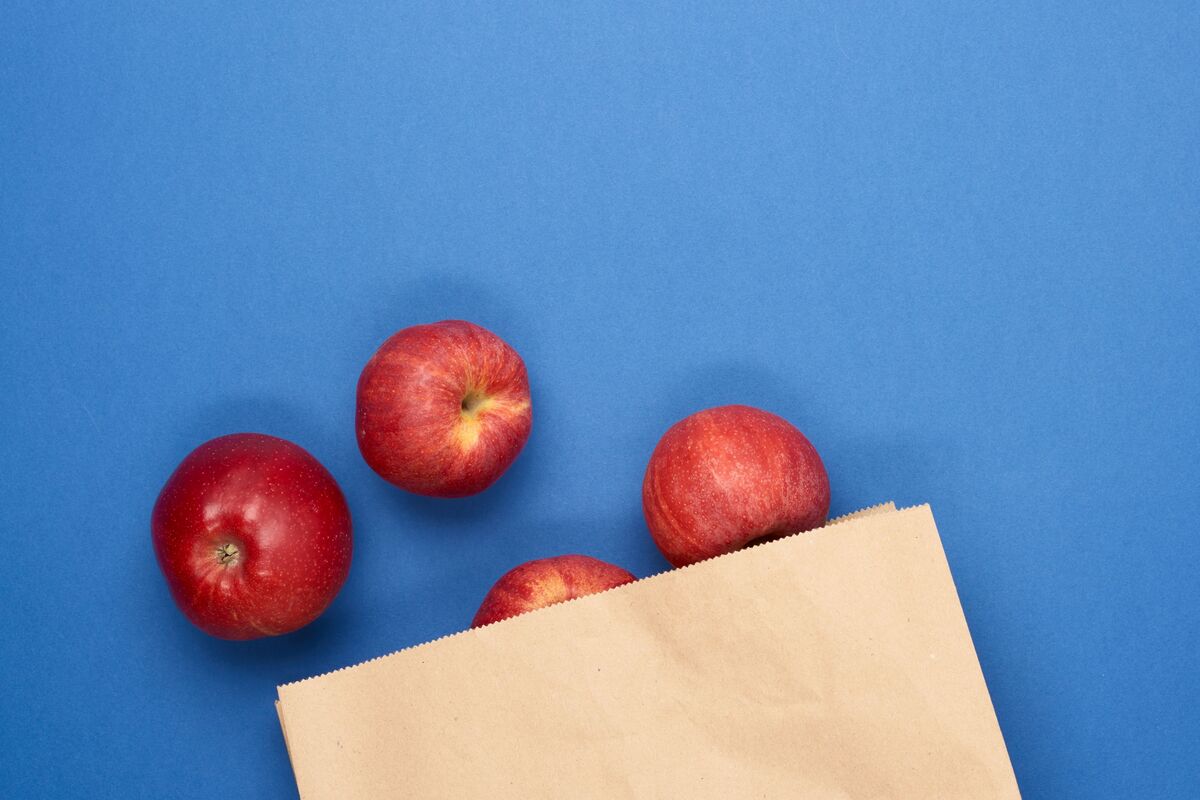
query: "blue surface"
957, 246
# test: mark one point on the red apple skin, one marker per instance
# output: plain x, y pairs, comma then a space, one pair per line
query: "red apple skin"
728, 476
253, 536
547, 581
443, 409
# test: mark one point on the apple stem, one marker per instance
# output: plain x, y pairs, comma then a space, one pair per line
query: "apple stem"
227, 554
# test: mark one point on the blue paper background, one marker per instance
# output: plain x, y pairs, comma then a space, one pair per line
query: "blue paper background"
956, 245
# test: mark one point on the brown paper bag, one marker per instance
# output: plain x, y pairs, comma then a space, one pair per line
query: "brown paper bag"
829, 664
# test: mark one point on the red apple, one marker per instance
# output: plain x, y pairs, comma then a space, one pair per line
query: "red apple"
730, 476
443, 409
253, 536
545, 582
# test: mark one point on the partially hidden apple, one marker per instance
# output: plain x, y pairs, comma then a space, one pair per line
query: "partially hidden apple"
253, 536
730, 476
443, 409
547, 581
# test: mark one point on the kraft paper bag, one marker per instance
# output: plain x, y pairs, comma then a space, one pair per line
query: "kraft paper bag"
829, 664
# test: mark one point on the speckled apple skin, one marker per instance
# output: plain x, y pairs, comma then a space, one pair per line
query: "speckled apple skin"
411, 425
283, 512
727, 476
547, 581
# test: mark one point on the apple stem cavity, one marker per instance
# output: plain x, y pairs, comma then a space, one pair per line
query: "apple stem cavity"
228, 554
472, 401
